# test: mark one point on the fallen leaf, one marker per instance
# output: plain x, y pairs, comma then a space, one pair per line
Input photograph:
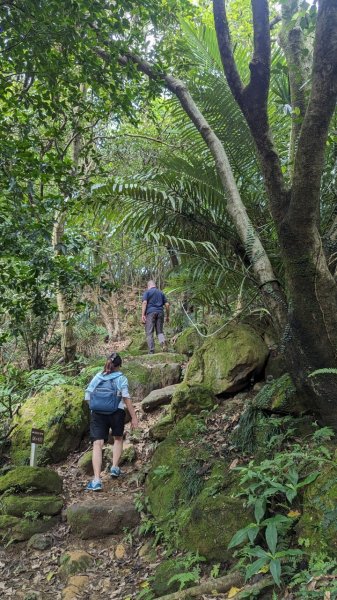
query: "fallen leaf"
50, 575
233, 591
294, 514
233, 464
120, 551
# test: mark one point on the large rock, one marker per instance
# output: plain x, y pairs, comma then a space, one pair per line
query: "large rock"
158, 398
280, 396
73, 562
188, 341
191, 399
200, 505
160, 430
318, 523
64, 417
18, 506
32, 479
97, 518
226, 362
152, 372
15, 529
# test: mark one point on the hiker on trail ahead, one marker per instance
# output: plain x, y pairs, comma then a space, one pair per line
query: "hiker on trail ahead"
108, 395
153, 303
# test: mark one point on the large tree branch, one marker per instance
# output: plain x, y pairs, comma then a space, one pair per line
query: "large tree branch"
253, 98
309, 160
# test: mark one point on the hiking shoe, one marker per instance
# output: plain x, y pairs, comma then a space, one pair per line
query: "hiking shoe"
94, 486
115, 471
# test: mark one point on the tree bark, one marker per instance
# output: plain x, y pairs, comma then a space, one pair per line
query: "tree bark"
312, 339
68, 341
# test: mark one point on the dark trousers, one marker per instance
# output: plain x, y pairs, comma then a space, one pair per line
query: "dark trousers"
154, 321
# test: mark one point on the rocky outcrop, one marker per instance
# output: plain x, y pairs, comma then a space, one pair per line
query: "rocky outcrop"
206, 509
158, 398
97, 518
64, 417
29, 502
226, 362
188, 341
191, 399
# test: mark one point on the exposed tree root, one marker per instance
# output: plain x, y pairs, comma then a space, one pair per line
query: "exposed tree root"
221, 584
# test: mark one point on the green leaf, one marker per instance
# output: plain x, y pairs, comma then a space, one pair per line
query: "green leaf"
275, 569
260, 509
271, 537
255, 567
239, 537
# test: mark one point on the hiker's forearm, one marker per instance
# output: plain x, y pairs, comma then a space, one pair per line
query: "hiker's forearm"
130, 408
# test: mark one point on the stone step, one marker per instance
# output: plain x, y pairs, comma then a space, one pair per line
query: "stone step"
158, 398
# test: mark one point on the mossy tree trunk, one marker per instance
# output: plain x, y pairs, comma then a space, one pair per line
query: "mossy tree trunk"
312, 291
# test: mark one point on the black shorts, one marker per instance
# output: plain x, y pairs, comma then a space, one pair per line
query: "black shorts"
100, 425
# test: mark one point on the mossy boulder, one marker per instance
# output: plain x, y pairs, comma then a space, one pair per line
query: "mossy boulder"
215, 515
34, 479
85, 463
160, 430
148, 373
318, 523
17, 506
74, 561
63, 415
98, 518
15, 529
280, 396
226, 362
163, 573
188, 341
191, 399
158, 398
200, 506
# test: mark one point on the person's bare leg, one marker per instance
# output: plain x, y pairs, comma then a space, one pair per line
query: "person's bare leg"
117, 450
97, 458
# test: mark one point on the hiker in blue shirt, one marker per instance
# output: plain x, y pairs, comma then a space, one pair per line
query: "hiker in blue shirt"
153, 303
101, 421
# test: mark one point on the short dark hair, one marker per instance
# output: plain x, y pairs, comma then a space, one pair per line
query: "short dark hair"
113, 361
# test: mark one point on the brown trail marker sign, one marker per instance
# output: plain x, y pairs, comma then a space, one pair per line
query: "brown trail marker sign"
36, 438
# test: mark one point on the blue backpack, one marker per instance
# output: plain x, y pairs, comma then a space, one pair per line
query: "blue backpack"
105, 397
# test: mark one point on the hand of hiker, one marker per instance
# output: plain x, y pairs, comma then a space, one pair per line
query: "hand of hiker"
144, 319
134, 423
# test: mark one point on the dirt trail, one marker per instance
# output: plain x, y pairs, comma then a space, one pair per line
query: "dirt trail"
118, 572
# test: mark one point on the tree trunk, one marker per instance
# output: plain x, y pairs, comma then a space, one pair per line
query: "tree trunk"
68, 341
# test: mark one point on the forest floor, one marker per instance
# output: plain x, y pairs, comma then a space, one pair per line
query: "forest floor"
122, 564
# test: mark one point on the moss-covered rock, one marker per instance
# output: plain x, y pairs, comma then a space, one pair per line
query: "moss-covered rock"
202, 510
19, 505
98, 518
129, 455
188, 341
226, 362
64, 417
146, 374
191, 399
15, 529
74, 561
34, 479
160, 430
164, 572
215, 515
280, 396
318, 523
85, 463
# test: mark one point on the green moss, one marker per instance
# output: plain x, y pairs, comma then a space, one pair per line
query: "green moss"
191, 399
188, 341
160, 430
146, 376
74, 562
164, 572
19, 505
215, 516
25, 529
318, 524
129, 455
12, 528
64, 417
85, 463
78, 519
226, 362
279, 396
39, 479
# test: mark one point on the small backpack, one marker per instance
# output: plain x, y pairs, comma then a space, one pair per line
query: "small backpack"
105, 397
